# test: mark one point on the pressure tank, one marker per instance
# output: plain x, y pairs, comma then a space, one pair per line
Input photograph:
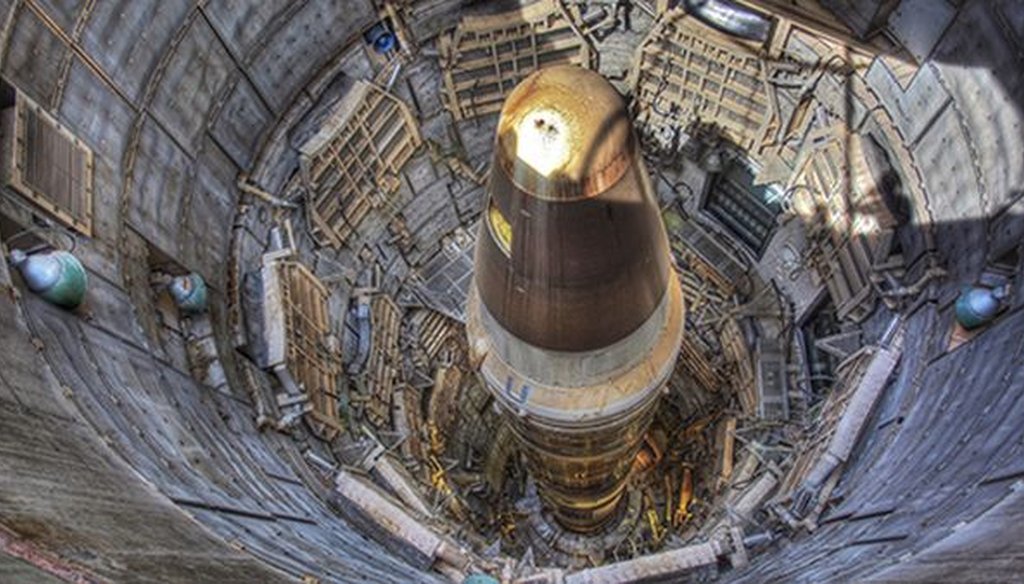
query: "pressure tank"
189, 293
56, 276
977, 306
381, 38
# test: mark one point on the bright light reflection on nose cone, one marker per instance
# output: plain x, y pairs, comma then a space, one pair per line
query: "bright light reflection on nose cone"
542, 141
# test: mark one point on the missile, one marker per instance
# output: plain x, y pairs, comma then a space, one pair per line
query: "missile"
575, 313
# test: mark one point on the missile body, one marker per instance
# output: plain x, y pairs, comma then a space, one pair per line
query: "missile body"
575, 313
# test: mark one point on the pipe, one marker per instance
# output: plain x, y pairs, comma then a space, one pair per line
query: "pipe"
642, 5
914, 289
386, 470
394, 75
664, 565
364, 332
731, 18
246, 187
363, 504
758, 539
849, 427
287, 381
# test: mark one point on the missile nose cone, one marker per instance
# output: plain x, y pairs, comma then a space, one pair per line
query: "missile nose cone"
564, 134
573, 255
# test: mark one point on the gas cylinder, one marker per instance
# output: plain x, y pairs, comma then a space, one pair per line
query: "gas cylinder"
381, 38
978, 305
56, 276
189, 292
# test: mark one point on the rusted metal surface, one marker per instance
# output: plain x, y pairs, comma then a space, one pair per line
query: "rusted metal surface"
43, 560
682, 513
47, 164
74, 499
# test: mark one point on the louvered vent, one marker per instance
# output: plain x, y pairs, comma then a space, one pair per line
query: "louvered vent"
48, 165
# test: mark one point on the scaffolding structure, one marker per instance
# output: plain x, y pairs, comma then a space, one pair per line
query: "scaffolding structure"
353, 163
382, 372
299, 339
692, 77
484, 57
852, 228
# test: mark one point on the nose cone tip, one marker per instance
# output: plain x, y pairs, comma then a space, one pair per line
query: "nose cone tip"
564, 133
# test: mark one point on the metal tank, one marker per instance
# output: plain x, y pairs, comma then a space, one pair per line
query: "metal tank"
575, 314
977, 305
56, 276
189, 293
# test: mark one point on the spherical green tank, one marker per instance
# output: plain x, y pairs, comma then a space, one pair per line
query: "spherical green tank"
56, 276
977, 306
189, 293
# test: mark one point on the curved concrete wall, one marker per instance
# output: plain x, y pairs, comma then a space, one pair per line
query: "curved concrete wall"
934, 492
163, 474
